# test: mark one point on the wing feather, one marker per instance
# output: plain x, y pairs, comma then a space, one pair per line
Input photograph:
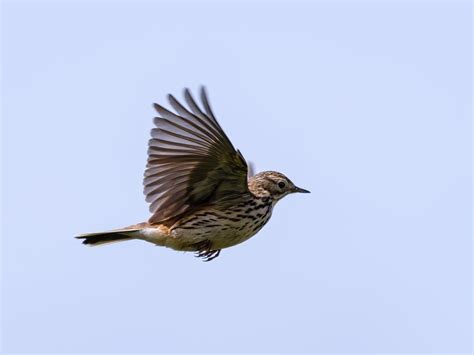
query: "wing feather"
191, 161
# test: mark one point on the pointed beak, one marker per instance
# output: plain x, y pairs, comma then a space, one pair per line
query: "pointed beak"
299, 189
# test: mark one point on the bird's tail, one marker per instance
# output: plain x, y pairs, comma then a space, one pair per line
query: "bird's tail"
100, 238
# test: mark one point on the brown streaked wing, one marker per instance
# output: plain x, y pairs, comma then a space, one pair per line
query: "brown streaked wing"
190, 160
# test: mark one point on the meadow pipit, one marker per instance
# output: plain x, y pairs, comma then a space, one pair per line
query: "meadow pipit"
201, 195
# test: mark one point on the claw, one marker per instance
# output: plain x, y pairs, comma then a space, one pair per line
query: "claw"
211, 255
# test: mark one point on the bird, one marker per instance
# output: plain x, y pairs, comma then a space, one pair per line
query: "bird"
203, 194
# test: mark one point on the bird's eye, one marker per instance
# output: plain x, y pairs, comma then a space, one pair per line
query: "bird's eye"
281, 184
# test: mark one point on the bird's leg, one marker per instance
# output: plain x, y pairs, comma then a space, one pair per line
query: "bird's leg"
204, 251
202, 247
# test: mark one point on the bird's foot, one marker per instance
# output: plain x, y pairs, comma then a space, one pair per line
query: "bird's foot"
205, 252
208, 255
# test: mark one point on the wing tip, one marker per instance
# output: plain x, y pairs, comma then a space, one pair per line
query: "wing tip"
157, 107
171, 98
203, 91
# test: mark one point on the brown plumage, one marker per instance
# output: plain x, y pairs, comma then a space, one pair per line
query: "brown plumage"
197, 184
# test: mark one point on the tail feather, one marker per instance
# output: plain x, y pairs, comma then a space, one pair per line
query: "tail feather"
93, 239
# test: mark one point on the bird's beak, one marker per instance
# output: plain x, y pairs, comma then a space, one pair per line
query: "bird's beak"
299, 189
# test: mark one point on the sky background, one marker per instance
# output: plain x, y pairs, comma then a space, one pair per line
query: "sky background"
368, 105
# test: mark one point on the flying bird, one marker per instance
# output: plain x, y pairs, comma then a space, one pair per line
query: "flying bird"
202, 197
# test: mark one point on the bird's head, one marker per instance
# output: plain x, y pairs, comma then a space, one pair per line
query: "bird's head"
273, 184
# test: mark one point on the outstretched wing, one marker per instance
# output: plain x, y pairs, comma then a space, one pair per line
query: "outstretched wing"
190, 160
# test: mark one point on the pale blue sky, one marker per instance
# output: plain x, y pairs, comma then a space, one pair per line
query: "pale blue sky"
368, 105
